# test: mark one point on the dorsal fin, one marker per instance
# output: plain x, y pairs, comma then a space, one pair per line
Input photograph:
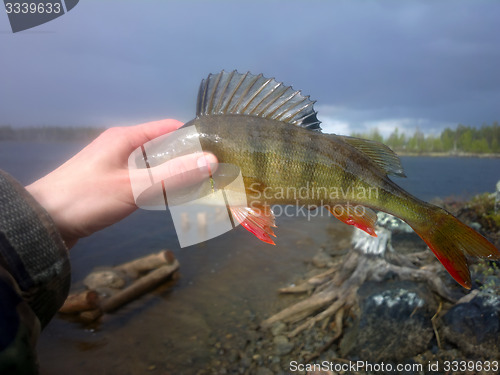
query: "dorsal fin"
251, 95
381, 154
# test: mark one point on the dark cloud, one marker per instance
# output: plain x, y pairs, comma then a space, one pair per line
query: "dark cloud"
379, 63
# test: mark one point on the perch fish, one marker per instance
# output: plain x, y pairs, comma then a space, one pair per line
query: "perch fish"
272, 133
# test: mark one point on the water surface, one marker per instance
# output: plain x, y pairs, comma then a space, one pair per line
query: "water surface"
225, 283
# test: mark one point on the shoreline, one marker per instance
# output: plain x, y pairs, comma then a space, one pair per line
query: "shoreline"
449, 155
398, 153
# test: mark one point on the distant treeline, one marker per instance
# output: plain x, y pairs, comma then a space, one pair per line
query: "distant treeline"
463, 139
49, 133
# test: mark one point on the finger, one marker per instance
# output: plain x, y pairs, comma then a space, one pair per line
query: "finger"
174, 174
140, 134
185, 170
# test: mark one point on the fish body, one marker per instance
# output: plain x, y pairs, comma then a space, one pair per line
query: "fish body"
285, 160
271, 133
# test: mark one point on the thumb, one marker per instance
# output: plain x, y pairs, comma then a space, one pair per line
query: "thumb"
185, 170
149, 184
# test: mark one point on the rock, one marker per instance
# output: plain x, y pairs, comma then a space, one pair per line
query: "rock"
282, 345
104, 279
475, 225
394, 322
371, 245
278, 328
392, 223
245, 361
232, 356
321, 260
474, 327
106, 292
263, 371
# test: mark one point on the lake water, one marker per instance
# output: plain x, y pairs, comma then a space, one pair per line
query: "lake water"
224, 282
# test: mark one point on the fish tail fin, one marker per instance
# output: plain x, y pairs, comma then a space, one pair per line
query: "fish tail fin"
451, 241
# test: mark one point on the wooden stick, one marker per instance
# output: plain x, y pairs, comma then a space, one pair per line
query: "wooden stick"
339, 316
150, 262
139, 287
87, 300
90, 316
434, 324
304, 287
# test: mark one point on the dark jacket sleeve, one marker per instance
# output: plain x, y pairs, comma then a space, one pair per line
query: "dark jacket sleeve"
34, 275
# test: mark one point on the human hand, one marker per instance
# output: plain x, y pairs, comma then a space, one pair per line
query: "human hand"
92, 190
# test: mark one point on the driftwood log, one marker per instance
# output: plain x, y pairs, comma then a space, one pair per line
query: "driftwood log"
334, 292
145, 264
141, 286
78, 302
108, 289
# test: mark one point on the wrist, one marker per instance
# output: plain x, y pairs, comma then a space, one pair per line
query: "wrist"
55, 206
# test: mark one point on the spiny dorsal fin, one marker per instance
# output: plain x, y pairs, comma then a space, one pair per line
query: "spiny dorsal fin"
382, 155
251, 95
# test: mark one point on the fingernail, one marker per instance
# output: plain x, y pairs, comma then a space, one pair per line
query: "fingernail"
207, 162
203, 165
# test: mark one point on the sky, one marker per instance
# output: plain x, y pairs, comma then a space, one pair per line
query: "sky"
368, 64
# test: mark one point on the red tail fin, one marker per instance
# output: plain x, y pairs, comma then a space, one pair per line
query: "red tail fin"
450, 241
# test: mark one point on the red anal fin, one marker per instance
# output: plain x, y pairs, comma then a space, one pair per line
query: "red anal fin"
257, 220
359, 216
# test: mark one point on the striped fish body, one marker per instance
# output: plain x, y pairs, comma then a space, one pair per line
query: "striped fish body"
271, 133
281, 162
